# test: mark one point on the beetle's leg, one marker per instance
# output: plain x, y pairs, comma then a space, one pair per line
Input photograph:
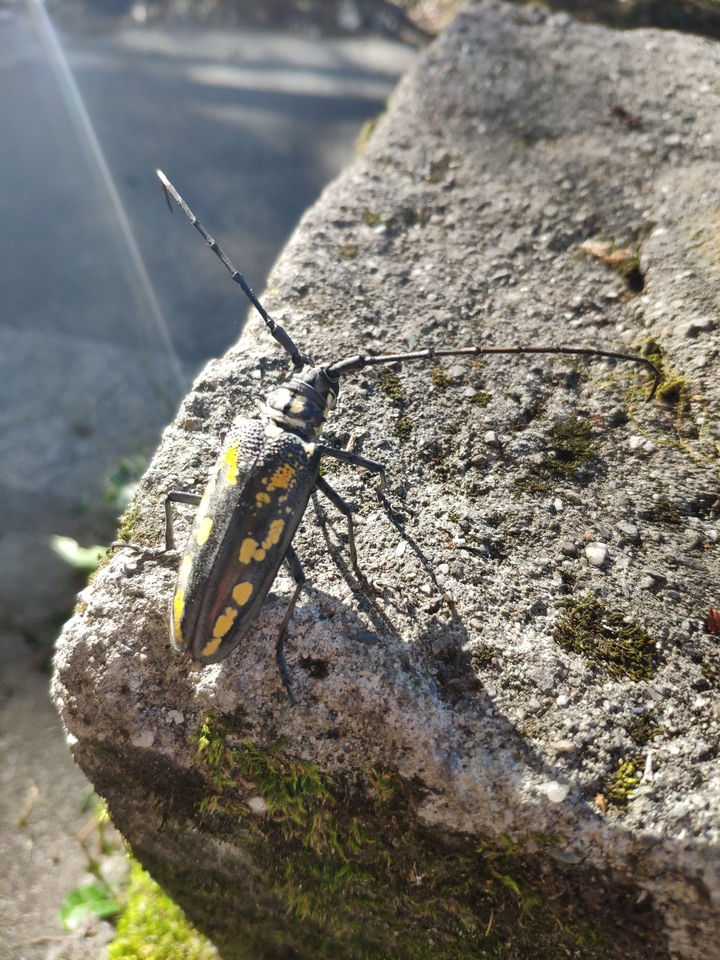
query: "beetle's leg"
296, 572
175, 496
346, 510
347, 456
372, 466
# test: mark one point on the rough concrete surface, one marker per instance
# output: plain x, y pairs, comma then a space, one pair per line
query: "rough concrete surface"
519, 138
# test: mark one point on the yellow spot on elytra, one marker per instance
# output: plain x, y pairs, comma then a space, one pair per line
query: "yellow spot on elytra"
247, 550
259, 554
203, 531
242, 593
274, 534
231, 458
178, 610
205, 501
283, 477
261, 498
209, 649
184, 571
224, 622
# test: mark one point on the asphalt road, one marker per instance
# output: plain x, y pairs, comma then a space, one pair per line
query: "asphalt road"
108, 307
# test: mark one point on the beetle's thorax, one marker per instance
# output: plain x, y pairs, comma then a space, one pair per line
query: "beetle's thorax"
303, 402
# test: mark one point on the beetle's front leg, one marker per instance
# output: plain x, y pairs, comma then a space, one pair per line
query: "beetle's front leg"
347, 456
175, 496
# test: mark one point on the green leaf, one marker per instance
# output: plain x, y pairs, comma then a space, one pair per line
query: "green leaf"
83, 903
82, 558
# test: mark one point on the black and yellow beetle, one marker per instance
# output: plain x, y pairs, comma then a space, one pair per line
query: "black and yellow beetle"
260, 487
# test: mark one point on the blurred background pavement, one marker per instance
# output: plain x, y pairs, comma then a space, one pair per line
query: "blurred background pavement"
108, 307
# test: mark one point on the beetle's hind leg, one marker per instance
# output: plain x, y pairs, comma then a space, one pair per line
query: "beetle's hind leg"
175, 496
298, 575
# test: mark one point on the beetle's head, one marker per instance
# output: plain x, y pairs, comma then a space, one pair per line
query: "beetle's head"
303, 402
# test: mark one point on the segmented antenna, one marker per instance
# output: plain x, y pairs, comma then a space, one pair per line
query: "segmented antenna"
360, 361
276, 331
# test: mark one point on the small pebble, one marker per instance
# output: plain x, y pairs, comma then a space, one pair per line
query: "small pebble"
258, 805
677, 811
596, 554
556, 792
629, 530
145, 739
692, 328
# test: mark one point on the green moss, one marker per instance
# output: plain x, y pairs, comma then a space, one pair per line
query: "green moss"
710, 669
348, 251
439, 169
403, 428
642, 728
665, 511
391, 385
152, 927
481, 398
365, 136
128, 523
572, 447
439, 379
673, 388
620, 784
607, 638
349, 873
374, 220
481, 655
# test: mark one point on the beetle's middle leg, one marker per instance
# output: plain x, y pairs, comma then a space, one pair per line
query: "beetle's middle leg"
347, 511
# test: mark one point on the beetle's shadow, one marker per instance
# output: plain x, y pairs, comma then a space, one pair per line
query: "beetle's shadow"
442, 647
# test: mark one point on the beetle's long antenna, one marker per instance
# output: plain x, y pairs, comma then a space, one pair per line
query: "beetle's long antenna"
360, 361
275, 329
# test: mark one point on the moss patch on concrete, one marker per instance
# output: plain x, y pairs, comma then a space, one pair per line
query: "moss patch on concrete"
611, 641
152, 927
348, 871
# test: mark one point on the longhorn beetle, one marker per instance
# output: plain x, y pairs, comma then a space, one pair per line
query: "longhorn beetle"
260, 487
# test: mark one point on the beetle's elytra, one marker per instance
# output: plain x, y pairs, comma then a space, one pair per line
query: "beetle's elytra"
260, 487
